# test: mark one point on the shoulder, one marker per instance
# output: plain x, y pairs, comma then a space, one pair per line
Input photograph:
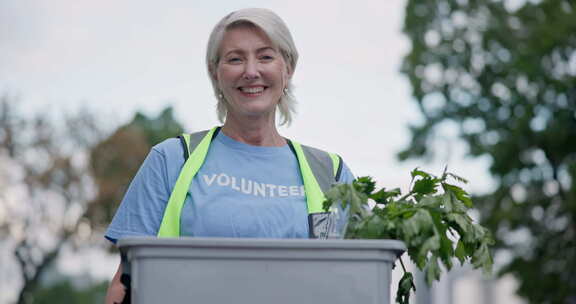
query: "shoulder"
168, 155
329, 160
172, 150
168, 146
314, 151
315, 155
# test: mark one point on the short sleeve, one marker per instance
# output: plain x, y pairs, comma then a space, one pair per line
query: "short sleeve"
142, 207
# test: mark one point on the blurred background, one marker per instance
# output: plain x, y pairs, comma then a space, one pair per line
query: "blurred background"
487, 87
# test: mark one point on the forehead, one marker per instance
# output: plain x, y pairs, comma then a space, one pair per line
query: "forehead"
244, 37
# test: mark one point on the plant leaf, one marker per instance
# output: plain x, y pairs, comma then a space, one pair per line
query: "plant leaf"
433, 270
460, 252
417, 172
364, 184
458, 178
421, 218
462, 224
382, 196
446, 251
419, 223
452, 204
406, 283
482, 258
372, 228
425, 186
431, 244
430, 201
460, 194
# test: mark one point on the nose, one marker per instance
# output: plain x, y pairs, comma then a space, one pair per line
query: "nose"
251, 71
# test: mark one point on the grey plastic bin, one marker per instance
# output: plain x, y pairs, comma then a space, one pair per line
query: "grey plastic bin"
258, 271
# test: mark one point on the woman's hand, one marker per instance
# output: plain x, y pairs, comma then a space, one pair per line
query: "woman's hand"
116, 291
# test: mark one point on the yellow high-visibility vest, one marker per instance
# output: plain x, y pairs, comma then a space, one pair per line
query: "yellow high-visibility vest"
319, 171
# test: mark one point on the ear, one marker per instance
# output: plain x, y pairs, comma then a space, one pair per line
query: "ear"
286, 60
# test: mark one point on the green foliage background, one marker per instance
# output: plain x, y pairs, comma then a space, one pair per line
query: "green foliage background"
115, 160
505, 72
66, 292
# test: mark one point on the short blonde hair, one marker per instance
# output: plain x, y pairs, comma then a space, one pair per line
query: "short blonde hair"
279, 35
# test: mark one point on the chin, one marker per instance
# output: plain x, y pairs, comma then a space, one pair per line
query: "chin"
254, 112
255, 106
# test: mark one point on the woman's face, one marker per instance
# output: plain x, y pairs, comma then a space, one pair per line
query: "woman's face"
251, 73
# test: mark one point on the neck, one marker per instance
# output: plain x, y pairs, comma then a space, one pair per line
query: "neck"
253, 132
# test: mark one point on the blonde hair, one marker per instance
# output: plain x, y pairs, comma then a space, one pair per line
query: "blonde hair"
279, 35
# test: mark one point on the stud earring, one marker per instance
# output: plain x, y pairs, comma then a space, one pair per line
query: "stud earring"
220, 95
285, 91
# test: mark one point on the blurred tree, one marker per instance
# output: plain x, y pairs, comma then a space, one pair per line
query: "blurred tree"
45, 187
115, 160
505, 72
55, 175
66, 292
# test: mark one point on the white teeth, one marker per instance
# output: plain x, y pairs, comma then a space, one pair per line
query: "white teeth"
252, 90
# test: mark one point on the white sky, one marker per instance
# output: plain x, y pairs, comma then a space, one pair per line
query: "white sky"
117, 57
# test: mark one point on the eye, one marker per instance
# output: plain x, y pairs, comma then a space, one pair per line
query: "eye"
266, 57
234, 60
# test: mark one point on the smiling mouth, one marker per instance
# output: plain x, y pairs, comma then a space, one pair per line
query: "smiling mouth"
252, 91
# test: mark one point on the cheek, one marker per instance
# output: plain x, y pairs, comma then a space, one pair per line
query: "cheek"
226, 72
282, 74
224, 78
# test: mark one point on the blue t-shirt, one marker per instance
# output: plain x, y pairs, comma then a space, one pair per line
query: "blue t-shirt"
240, 191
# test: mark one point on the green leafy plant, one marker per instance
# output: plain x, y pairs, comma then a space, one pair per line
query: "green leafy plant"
431, 219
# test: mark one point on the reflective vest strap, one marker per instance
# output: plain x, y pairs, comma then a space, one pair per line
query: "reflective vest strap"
185, 142
198, 144
317, 177
319, 172
324, 166
336, 165
196, 138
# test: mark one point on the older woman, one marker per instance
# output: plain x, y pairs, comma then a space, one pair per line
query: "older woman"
243, 179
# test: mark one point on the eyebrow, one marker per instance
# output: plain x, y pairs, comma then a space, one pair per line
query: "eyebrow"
262, 49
